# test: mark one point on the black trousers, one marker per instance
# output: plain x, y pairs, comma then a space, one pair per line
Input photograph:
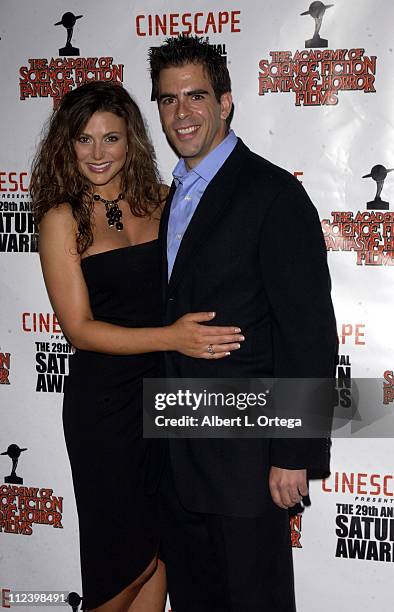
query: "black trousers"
223, 563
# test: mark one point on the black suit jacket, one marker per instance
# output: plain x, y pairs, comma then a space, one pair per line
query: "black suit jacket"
254, 253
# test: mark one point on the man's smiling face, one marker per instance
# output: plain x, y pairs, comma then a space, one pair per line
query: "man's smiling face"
192, 118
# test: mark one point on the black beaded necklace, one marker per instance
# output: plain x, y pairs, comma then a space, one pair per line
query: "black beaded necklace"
114, 214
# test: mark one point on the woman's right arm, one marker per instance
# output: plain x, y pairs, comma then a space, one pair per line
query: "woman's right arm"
68, 293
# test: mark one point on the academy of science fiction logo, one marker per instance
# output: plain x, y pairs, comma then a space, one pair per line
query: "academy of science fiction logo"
316, 74
369, 233
21, 507
53, 77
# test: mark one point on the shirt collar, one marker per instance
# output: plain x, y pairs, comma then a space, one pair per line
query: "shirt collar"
208, 167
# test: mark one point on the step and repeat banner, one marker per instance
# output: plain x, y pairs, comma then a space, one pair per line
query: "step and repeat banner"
313, 89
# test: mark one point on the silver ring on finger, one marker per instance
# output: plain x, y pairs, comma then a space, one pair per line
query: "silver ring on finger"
210, 349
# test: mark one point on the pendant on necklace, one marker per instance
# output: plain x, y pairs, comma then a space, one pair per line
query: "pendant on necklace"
113, 212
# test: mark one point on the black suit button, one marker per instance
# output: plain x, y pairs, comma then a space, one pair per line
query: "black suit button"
171, 299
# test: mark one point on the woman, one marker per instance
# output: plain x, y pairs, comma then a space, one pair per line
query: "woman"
97, 199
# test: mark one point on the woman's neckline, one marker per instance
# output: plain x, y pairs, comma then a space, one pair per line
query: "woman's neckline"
129, 246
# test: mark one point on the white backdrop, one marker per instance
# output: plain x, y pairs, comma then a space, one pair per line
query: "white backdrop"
331, 138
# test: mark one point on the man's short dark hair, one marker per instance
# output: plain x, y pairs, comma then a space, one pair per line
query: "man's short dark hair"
190, 50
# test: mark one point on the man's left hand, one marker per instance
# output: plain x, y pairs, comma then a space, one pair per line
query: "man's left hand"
287, 486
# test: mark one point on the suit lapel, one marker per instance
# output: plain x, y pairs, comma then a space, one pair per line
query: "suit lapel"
208, 213
163, 240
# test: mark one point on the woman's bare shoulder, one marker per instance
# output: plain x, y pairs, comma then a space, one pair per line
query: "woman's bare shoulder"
58, 230
59, 215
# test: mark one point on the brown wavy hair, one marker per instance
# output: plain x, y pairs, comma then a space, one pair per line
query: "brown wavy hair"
55, 175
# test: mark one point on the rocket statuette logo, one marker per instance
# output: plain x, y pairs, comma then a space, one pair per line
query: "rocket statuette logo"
378, 174
14, 452
317, 10
68, 20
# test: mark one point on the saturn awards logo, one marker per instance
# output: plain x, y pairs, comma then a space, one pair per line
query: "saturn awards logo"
18, 232
317, 74
53, 77
52, 350
364, 517
22, 507
368, 233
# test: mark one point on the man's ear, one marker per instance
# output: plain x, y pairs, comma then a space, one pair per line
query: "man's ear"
226, 103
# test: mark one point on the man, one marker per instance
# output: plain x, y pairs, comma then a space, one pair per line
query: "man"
240, 237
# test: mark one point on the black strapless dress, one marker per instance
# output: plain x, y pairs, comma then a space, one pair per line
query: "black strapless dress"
102, 416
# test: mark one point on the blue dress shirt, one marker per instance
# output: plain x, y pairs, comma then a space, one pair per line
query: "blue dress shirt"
190, 186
